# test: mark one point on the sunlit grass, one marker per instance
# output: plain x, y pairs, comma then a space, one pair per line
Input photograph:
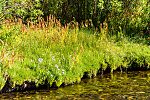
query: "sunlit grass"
62, 55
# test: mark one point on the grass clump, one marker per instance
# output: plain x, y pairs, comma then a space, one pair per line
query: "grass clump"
62, 55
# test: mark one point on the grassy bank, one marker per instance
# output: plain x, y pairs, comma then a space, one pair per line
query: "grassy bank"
62, 55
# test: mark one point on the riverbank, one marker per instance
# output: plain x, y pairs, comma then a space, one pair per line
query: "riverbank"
120, 86
56, 56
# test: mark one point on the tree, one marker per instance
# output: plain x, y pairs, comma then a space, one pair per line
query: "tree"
26, 10
129, 16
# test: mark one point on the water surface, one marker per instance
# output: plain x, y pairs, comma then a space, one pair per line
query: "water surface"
119, 86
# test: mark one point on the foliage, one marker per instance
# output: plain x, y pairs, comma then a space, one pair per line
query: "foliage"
26, 10
131, 17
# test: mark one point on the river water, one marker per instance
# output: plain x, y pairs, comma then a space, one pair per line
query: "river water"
119, 86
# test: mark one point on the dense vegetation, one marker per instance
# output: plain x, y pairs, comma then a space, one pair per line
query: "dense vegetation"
59, 41
130, 16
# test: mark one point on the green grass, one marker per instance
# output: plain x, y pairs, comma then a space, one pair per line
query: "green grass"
62, 55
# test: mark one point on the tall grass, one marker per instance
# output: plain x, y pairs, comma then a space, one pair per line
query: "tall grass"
48, 51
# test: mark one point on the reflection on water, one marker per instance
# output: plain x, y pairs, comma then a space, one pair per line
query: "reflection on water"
119, 86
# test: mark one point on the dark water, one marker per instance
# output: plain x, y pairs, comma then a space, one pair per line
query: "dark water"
119, 86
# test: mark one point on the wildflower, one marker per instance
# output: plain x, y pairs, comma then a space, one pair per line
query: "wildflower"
51, 75
63, 71
40, 60
56, 66
53, 58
